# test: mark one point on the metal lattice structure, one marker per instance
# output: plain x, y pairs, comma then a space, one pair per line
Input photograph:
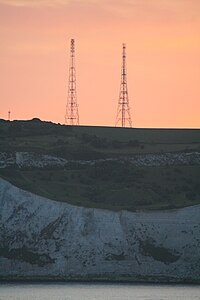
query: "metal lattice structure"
72, 115
123, 118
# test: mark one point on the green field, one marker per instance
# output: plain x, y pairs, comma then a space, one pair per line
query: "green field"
112, 184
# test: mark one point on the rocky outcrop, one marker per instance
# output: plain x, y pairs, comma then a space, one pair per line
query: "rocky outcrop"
41, 238
34, 160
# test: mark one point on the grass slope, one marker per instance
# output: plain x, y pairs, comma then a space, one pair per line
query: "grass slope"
107, 184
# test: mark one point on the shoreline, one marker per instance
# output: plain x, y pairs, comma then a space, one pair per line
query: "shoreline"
160, 281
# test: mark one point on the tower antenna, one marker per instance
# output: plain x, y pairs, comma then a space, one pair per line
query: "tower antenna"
72, 116
9, 112
123, 118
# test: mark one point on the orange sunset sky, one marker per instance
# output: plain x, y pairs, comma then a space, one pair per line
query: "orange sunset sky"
163, 59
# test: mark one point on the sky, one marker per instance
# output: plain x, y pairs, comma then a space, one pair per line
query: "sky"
163, 60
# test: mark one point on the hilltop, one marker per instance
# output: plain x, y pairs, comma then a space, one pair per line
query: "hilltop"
146, 182
103, 167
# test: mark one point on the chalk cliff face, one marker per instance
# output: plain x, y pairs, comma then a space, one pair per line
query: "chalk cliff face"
41, 238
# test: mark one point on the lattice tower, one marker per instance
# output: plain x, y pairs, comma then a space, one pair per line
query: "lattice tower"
123, 118
72, 115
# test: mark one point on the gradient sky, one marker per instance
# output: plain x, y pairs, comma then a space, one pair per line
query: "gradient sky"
163, 59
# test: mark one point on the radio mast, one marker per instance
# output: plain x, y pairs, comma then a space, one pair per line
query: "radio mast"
123, 118
72, 116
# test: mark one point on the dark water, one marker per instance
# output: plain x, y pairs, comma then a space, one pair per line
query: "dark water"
83, 291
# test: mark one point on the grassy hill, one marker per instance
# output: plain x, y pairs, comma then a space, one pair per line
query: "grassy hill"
111, 181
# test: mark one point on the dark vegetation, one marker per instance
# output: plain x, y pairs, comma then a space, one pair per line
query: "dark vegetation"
111, 184
25, 254
149, 248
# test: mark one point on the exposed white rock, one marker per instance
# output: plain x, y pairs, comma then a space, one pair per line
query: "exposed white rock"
44, 238
26, 159
6, 160
29, 159
166, 159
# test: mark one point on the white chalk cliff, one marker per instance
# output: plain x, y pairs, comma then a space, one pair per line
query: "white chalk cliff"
41, 238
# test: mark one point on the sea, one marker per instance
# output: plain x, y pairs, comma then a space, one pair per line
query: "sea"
97, 291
